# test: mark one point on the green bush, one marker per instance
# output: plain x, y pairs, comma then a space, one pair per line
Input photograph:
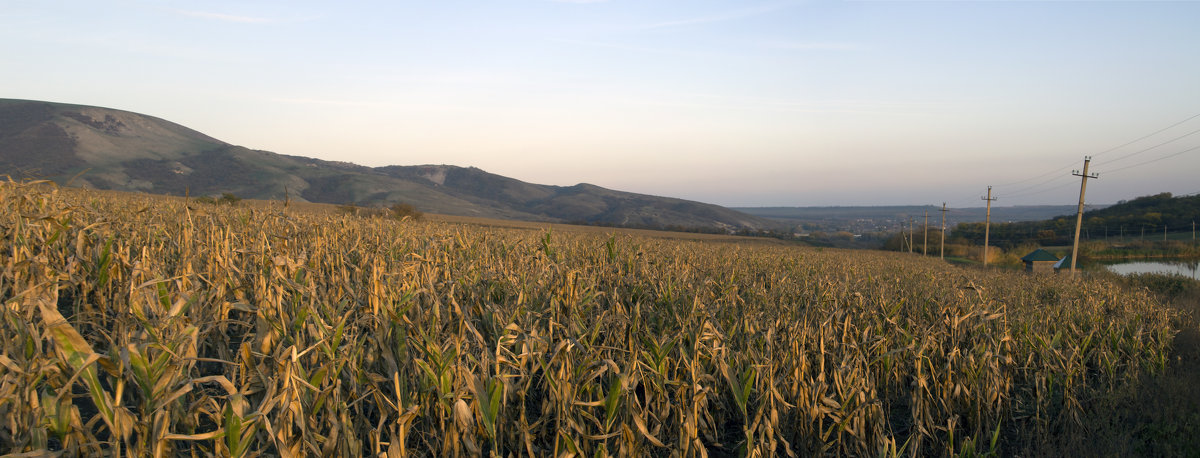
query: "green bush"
403, 211
1170, 286
229, 198
226, 198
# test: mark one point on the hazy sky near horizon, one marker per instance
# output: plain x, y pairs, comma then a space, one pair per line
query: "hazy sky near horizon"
739, 103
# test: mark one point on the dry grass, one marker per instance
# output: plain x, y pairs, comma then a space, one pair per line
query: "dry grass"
133, 325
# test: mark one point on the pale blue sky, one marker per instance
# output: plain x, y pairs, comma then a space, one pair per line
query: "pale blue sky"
730, 102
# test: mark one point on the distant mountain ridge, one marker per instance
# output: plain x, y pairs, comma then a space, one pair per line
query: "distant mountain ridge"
113, 149
902, 212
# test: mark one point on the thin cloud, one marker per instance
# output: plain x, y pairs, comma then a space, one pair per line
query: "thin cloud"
372, 104
816, 46
226, 17
720, 17
633, 48
329, 102
578, 1
750, 103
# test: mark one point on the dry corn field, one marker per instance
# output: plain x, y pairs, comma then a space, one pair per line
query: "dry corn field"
135, 326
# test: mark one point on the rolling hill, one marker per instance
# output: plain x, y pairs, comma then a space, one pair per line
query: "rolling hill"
890, 218
1157, 215
104, 148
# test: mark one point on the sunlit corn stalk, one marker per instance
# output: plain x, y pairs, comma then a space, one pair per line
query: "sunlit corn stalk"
268, 330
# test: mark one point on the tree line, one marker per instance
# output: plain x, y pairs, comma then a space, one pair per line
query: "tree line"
1147, 215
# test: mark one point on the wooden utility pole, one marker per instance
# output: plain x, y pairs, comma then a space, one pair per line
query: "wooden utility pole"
910, 235
942, 252
1164, 232
987, 225
925, 241
1079, 216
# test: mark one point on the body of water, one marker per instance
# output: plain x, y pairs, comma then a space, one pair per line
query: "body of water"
1188, 268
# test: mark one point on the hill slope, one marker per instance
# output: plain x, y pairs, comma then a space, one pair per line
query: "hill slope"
1147, 214
889, 218
113, 149
898, 212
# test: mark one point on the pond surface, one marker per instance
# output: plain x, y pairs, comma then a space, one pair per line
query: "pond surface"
1187, 268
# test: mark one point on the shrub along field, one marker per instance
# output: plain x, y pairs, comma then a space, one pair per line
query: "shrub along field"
137, 325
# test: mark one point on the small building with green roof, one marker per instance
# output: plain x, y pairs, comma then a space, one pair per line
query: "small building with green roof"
1040, 261
1064, 263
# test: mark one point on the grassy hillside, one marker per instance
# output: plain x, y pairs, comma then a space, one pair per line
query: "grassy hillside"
112, 149
140, 325
1125, 220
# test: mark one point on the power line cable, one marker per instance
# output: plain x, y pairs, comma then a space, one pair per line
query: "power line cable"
1032, 190
963, 203
1039, 184
1153, 160
1197, 115
1033, 193
1135, 153
1060, 169
1068, 166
